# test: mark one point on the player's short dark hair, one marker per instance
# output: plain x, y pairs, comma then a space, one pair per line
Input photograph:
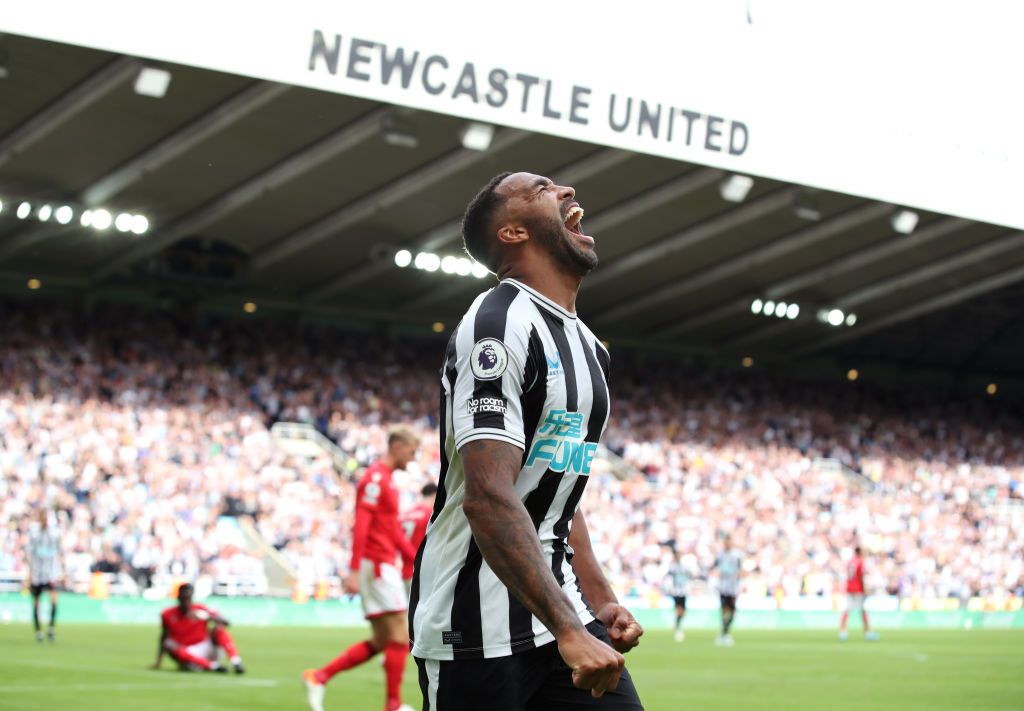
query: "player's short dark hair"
477, 236
428, 489
856, 549
185, 587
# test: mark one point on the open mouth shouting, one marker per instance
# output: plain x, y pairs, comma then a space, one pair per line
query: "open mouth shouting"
573, 223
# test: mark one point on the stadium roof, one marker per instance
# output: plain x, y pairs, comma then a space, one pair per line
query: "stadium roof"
298, 200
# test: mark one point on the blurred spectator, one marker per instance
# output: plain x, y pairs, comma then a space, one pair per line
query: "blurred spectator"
142, 433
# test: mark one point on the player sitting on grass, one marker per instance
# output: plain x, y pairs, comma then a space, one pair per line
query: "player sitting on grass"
191, 641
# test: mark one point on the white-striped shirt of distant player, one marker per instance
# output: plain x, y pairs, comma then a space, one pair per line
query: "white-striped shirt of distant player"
728, 564
43, 556
523, 370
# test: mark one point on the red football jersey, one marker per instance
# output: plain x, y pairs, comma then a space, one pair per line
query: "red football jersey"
377, 536
189, 628
855, 575
414, 526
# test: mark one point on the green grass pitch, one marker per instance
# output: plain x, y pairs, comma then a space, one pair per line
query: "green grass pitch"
104, 667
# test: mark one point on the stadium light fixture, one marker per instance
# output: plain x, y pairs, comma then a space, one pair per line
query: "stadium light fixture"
45, 213
835, 317
476, 136
64, 214
448, 264
463, 267
756, 305
852, 374
1, 205
904, 221
86, 218
403, 258
479, 270
399, 131
747, 361
152, 82
123, 223
792, 311
24, 210
735, 188
139, 224
249, 307
769, 308
428, 261
101, 219
851, 319
34, 284
806, 207
437, 327
780, 309
991, 388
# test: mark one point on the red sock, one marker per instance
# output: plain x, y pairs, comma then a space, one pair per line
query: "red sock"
842, 623
223, 640
394, 667
351, 657
183, 655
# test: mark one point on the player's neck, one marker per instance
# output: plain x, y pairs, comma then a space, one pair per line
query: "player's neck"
548, 279
388, 461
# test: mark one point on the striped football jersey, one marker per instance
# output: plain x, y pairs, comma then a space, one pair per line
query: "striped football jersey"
518, 369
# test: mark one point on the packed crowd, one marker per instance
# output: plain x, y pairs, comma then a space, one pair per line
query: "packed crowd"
151, 441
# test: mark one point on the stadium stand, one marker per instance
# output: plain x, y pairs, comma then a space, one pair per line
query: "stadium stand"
151, 438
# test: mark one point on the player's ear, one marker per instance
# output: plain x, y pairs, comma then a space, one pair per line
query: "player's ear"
511, 233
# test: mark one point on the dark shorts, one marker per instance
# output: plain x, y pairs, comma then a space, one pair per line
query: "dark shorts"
729, 601
37, 590
537, 680
680, 601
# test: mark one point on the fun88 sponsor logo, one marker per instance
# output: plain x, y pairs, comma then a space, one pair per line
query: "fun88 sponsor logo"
560, 444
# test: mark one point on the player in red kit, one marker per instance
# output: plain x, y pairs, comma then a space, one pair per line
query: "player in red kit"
414, 525
855, 596
377, 543
187, 635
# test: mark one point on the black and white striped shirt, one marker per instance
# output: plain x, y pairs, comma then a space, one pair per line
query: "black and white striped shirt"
43, 555
519, 369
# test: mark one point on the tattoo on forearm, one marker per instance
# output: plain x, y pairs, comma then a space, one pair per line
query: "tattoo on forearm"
506, 536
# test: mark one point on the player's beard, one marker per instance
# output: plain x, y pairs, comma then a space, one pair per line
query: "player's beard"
552, 234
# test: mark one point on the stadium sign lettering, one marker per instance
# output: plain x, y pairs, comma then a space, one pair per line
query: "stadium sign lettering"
788, 91
394, 66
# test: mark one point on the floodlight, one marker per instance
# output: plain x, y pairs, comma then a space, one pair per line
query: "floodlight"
735, 188
756, 305
904, 221
64, 214
101, 219
403, 258
479, 270
152, 82
835, 317
476, 136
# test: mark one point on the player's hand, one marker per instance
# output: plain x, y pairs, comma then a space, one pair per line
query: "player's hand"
594, 664
351, 583
623, 629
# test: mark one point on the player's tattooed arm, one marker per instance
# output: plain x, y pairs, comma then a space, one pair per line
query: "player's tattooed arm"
588, 571
506, 535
